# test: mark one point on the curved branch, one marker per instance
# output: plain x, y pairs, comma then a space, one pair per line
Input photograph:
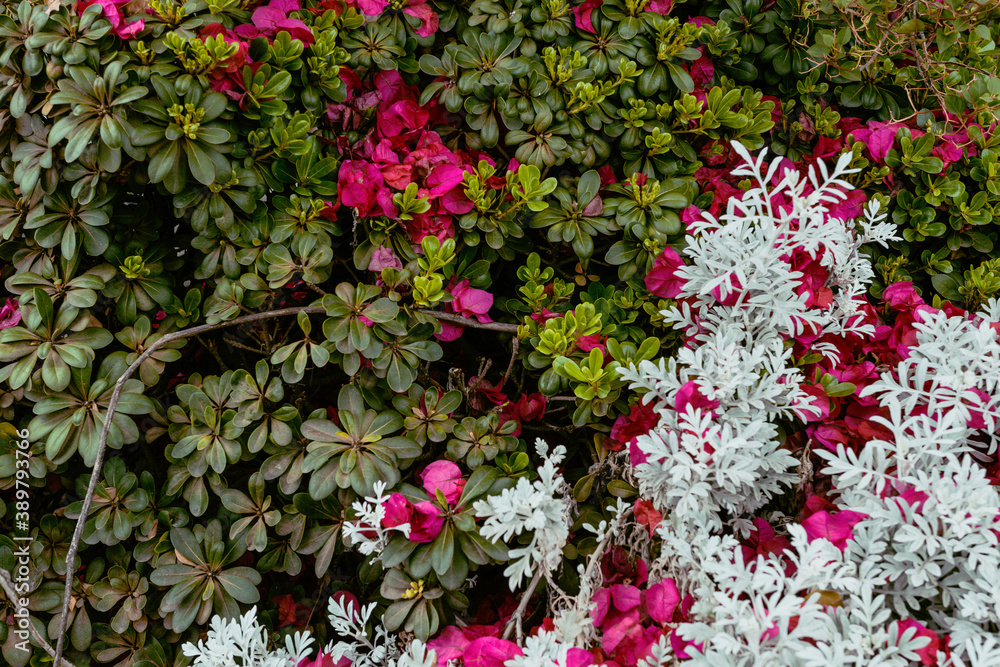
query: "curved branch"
466, 322
7, 584
113, 404
103, 441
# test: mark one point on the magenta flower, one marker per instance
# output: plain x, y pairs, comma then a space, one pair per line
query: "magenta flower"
426, 522
838, 528
661, 600
358, 185
639, 421
269, 20
443, 476
384, 258
489, 652
663, 280
582, 15
689, 395
469, 302
878, 139
10, 314
397, 511
113, 13
928, 654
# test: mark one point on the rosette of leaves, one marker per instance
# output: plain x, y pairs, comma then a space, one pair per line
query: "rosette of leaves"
541, 144
447, 560
487, 60
577, 219
786, 50
284, 462
71, 419
311, 262
124, 588
69, 225
61, 340
157, 518
427, 412
402, 353
418, 604
183, 135
138, 338
14, 458
204, 428
259, 398
295, 357
345, 329
116, 502
358, 451
224, 204
608, 43
64, 283
20, 60
51, 544
99, 111
255, 512
524, 100
140, 284
480, 440
648, 204
200, 579
660, 56
494, 209
193, 488
375, 44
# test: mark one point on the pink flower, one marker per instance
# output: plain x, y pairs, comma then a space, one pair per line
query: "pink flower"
878, 139
397, 511
639, 421
690, 396
764, 542
834, 527
732, 291
10, 314
384, 258
358, 183
928, 654
372, 7
663, 280
468, 302
530, 407
661, 601
324, 660
582, 15
113, 13
902, 296
490, 652
426, 522
443, 476
429, 21
647, 515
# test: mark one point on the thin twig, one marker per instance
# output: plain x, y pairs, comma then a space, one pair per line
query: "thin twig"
514, 343
472, 324
7, 584
113, 404
515, 619
106, 428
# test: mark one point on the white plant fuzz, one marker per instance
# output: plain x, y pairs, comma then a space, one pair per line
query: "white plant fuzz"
242, 642
542, 506
928, 549
369, 521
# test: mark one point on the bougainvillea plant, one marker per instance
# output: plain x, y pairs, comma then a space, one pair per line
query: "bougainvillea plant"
416, 332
